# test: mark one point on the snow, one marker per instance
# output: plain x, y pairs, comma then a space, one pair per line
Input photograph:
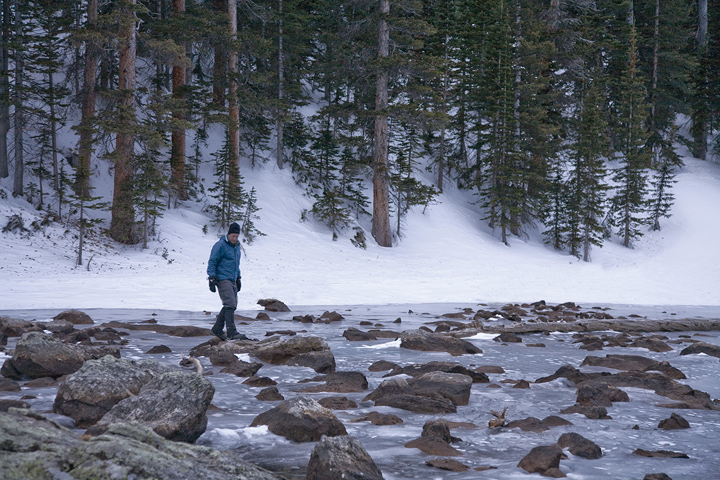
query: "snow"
446, 254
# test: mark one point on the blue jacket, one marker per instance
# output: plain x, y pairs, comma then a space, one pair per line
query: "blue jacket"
224, 260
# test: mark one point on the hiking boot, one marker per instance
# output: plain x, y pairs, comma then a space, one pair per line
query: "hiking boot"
237, 336
220, 335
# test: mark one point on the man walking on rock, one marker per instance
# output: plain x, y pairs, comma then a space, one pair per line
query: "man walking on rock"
224, 276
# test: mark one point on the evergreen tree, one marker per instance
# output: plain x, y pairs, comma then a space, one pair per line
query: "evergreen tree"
663, 177
229, 195
587, 186
247, 222
629, 200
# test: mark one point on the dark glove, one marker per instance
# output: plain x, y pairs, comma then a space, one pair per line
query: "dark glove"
238, 282
211, 282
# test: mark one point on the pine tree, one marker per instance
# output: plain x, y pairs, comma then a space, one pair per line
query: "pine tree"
663, 177
629, 200
247, 222
229, 194
587, 186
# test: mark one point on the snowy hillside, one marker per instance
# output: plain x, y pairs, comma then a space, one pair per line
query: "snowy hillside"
447, 255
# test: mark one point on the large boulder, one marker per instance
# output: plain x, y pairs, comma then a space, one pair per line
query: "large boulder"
15, 327
601, 395
340, 382
341, 458
40, 355
34, 447
702, 347
432, 342
75, 317
273, 305
580, 446
279, 350
416, 369
301, 419
435, 440
450, 386
322, 361
174, 405
633, 362
541, 459
88, 394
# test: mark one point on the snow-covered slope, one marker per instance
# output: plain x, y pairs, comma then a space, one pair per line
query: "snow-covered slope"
446, 255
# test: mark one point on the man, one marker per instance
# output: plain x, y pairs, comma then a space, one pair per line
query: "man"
224, 276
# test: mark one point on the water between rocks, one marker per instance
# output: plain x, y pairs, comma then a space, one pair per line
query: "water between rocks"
228, 425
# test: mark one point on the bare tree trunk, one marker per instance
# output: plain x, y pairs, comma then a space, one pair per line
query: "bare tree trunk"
219, 65
53, 134
85, 142
177, 154
233, 98
19, 110
281, 80
653, 92
381, 207
123, 213
701, 130
4, 89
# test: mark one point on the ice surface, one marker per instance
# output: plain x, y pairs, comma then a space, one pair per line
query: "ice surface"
228, 426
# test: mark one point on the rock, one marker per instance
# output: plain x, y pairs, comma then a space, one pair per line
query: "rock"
9, 385
451, 386
341, 458
279, 351
377, 418
554, 473
273, 305
580, 446
242, 369
88, 394
530, 424
270, 394
60, 327
222, 358
354, 335
173, 330
508, 337
6, 404
40, 355
173, 405
489, 369
260, 382
542, 458
431, 342
75, 317
15, 327
321, 362
382, 365
433, 446
449, 367
522, 384
652, 344
554, 421
262, 316
30, 443
301, 419
593, 413
633, 362
337, 403
340, 382
331, 317
601, 395
42, 382
659, 454
702, 347
447, 464
675, 422
390, 387
656, 476
418, 404
157, 349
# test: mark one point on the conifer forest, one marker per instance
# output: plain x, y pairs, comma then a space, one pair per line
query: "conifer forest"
562, 115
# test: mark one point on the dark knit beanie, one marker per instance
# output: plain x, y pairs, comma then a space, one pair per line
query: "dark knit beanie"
234, 228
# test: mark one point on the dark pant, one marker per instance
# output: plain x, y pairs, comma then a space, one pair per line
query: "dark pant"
226, 318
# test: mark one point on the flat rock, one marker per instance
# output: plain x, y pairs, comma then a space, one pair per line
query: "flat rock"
447, 464
377, 418
431, 342
659, 453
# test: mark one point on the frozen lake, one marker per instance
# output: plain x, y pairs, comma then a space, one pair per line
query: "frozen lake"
501, 448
